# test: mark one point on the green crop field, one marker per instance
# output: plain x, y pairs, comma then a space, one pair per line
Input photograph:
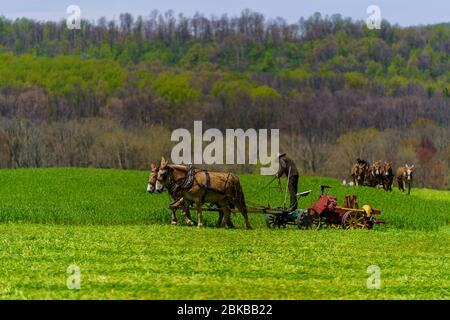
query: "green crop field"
104, 222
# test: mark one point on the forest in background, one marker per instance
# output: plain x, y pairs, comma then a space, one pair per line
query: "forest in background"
110, 94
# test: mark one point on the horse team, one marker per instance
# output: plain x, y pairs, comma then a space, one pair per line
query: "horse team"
381, 175
190, 186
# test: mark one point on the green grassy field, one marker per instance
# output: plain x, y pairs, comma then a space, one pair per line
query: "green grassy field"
104, 222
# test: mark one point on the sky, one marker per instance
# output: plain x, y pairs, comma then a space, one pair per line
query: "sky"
403, 12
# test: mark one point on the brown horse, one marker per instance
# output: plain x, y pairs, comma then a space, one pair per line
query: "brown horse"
202, 187
374, 176
358, 174
178, 200
405, 177
387, 175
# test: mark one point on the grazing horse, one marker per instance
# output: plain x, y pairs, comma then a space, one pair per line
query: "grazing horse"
151, 187
374, 176
387, 175
405, 177
202, 187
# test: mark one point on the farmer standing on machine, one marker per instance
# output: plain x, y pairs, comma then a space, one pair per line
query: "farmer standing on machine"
287, 167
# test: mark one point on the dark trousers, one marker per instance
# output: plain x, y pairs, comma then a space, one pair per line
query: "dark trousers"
292, 187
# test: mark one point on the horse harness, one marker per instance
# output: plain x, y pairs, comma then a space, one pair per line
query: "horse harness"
176, 188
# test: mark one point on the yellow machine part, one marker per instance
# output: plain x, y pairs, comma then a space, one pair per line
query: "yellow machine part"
367, 209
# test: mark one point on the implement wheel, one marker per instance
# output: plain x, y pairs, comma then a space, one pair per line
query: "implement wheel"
354, 220
276, 220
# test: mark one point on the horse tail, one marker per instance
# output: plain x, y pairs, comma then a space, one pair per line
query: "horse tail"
239, 201
238, 193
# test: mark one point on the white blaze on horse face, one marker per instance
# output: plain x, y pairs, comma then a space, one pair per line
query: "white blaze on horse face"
408, 173
159, 186
150, 188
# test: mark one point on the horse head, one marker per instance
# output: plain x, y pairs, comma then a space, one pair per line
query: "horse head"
151, 186
376, 168
409, 171
362, 170
357, 170
163, 175
387, 167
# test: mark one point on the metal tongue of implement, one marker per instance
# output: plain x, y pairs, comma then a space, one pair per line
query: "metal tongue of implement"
287, 185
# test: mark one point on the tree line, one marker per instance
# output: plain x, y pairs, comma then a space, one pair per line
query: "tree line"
335, 89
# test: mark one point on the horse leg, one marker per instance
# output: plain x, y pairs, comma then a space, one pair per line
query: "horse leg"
243, 209
247, 222
187, 215
409, 187
229, 222
227, 217
199, 213
174, 220
224, 215
219, 221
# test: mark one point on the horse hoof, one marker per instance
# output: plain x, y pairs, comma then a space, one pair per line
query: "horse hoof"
190, 223
174, 223
200, 225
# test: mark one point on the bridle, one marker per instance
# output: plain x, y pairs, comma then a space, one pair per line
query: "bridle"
162, 176
166, 177
153, 177
386, 168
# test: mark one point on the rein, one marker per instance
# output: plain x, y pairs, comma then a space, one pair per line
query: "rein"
176, 187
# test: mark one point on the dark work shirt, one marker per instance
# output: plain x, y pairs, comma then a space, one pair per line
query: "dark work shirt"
285, 164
